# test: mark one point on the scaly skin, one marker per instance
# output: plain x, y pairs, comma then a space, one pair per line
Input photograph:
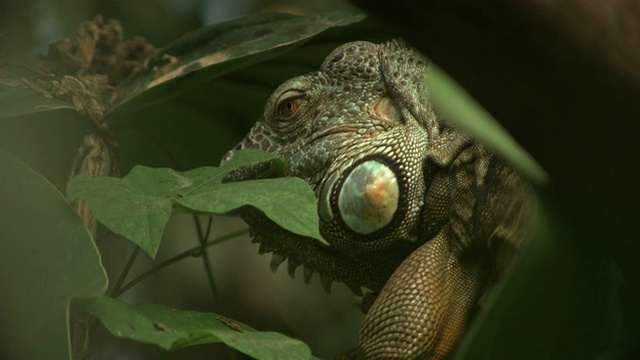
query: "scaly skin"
412, 208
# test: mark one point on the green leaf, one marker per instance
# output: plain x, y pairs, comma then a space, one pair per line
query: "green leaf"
16, 99
46, 258
126, 206
139, 205
212, 51
289, 202
266, 345
459, 107
124, 322
172, 329
204, 122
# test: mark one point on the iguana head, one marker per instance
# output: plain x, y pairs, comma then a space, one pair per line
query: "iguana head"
358, 131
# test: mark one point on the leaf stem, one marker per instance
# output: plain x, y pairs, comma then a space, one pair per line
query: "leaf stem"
202, 238
207, 265
125, 271
195, 251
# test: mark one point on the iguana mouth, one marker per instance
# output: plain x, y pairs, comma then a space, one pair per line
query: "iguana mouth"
261, 170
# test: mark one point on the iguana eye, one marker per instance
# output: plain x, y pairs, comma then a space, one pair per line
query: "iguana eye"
289, 107
289, 104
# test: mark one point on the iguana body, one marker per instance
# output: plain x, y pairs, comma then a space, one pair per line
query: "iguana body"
412, 208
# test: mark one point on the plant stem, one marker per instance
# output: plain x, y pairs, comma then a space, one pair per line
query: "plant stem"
191, 252
202, 238
207, 265
125, 271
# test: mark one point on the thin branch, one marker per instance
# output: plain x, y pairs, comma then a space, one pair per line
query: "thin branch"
195, 251
125, 271
202, 238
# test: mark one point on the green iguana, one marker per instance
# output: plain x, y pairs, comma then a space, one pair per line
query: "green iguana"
412, 208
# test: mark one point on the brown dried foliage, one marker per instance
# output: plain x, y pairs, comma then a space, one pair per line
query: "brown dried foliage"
98, 48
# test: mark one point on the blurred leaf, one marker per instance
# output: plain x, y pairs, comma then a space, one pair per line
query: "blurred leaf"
177, 134
520, 319
460, 108
138, 206
45, 141
202, 123
538, 310
46, 258
212, 51
16, 99
173, 329
266, 345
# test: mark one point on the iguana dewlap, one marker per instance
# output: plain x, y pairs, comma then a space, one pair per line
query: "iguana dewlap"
411, 207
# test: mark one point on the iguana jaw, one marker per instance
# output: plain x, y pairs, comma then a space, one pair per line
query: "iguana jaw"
370, 272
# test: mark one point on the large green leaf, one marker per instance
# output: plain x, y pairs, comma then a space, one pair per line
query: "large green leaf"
17, 99
460, 108
46, 258
212, 51
172, 329
139, 205
205, 121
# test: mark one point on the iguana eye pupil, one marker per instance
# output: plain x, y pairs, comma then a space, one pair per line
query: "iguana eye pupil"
369, 197
289, 107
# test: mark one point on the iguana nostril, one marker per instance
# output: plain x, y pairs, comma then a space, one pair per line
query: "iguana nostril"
227, 156
230, 153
